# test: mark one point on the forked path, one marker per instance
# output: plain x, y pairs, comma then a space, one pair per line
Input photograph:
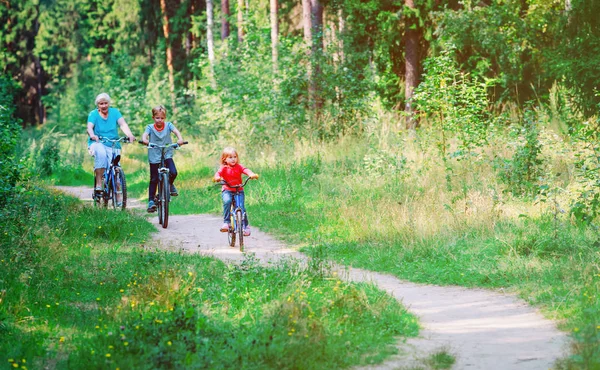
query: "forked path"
482, 329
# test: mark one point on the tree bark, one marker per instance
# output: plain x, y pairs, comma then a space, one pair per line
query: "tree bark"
317, 52
412, 36
274, 37
225, 19
240, 21
41, 112
169, 52
308, 39
210, 41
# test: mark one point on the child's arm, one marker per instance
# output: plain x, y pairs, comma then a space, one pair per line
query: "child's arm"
250, 174
145, 138
178, 134
217, 176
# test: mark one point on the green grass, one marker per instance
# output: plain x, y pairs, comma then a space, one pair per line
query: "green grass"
84, 288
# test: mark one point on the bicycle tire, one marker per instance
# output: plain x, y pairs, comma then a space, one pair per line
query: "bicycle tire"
158, 202
231, 232
239, 224
165, 200
96, 198
112, 190
120, 180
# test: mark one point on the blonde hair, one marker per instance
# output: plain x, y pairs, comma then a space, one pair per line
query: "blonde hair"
158, 109
102, 97
227, 151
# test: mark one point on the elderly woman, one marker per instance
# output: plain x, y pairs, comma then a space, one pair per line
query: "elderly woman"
102, 122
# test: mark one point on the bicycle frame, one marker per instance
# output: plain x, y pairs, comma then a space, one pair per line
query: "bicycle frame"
237, 215
163, 194
109, 182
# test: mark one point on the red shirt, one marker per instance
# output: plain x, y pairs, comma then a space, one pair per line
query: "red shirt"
233, 175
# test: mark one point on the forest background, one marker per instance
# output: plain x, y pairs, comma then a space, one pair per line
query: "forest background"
470, 128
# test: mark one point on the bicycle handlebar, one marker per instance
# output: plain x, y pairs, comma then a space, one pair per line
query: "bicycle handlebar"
123, 139
223, 182
152, 145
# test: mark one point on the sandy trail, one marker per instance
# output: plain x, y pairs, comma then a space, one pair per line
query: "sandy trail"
482, 329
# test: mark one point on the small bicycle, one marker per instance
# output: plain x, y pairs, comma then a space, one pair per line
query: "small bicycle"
114, 186
236, 216
163, 195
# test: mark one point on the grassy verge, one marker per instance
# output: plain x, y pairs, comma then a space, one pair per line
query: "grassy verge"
81, 290
410, 217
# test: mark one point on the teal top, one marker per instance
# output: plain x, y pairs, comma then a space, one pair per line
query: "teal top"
105, 127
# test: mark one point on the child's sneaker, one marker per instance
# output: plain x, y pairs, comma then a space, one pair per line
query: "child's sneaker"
247, 231
151, 206
174, 191
225, 227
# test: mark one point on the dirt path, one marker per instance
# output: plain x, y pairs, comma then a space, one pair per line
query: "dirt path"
481, 329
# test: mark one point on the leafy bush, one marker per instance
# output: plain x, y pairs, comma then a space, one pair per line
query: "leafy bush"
10, 132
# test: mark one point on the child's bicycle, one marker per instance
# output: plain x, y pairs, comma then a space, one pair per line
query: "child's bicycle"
114, 186
163, 195
236, 215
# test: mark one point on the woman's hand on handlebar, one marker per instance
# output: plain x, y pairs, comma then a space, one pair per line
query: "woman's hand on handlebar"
132, 139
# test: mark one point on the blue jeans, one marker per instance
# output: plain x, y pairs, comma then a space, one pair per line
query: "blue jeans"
227, 200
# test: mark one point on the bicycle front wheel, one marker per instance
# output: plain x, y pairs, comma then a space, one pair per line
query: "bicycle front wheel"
164, 200
120, 189
239, 225
231, 232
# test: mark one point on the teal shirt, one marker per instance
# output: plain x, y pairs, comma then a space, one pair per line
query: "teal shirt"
105, 127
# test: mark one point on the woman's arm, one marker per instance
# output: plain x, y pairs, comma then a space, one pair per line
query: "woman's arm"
90, 131
125, 128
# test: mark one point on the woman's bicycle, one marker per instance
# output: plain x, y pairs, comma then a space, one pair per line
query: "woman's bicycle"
236, 215
163, 195
114, 186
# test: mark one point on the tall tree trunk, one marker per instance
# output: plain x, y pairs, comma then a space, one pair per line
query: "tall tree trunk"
167, 33
275, 37
308, 40
41, 112
317, 52
225, 19
412, 36
210, 41
240, 21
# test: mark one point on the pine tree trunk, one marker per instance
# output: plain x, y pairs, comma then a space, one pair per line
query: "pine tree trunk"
225, 19
275, 37
317, 52
412, 35
210, 44
240, 21
308, 40
170, 67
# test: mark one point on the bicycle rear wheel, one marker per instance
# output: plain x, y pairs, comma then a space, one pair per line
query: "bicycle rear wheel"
239, 225
164, 200
231, 232
120, 189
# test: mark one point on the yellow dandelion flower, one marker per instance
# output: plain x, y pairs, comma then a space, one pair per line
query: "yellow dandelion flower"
62, 339
126, 343
15, 364
190, 273
169, 343
107, 355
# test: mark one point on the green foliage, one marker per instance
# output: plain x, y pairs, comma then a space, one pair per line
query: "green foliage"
453, 102
521, 173
10, 132
586, 206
